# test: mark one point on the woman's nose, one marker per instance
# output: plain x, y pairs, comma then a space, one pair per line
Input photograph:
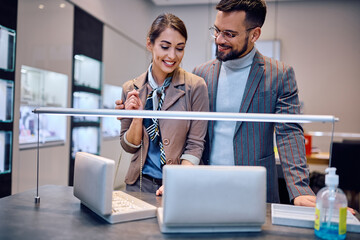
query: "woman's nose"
172, 54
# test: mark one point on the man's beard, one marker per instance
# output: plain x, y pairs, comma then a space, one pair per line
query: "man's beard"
233, 54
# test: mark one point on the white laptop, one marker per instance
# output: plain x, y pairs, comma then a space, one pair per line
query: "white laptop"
93, 185
213, 199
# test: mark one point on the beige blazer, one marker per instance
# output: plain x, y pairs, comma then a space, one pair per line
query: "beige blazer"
187, 92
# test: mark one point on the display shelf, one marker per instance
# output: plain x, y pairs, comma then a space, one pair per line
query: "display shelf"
7, 48
47, 89
85, 139
5, 151
52, 128
43, 88
87, 72
86, 100
110, 127
6, 100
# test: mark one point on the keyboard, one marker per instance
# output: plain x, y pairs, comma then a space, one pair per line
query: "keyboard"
128, 208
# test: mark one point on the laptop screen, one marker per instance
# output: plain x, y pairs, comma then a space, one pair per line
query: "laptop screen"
214, 195
93, 181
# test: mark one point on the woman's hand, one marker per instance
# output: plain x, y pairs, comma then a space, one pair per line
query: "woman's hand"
133, 101
160, 191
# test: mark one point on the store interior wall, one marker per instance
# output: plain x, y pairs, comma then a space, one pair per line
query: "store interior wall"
318, 38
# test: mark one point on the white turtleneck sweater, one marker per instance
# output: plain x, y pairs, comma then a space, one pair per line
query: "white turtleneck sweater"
231, 85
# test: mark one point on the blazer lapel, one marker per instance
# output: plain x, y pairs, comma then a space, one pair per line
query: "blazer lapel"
255, 75
140, 86
212, 80
173, 93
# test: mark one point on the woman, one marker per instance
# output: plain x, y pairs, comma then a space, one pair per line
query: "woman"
167, 87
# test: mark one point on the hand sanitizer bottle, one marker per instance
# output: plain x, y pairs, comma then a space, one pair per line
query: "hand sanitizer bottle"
331, 208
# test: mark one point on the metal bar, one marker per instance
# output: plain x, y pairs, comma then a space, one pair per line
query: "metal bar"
188, 115
37, 198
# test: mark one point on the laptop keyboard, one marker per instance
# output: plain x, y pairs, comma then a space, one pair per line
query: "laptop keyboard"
125, 203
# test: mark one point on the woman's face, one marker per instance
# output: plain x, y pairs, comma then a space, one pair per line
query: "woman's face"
167, 53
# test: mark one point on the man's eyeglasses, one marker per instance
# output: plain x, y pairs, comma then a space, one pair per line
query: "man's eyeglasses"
215, 32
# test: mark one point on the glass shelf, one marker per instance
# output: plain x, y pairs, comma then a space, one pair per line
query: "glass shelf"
110, 125
5, 152
87, 72
6, 100
85, 139
85, 100
41, 88
52, 128
7, 48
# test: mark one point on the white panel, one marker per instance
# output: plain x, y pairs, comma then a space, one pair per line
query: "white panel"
44, 41
269, 48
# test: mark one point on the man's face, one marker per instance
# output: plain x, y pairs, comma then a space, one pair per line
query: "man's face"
228, 48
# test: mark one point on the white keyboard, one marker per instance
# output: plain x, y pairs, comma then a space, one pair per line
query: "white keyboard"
127, 208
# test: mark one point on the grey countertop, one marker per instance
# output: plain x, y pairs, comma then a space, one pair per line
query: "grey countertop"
61, 216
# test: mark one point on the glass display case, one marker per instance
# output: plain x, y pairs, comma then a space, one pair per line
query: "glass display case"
87, 86
41, 88
7, 48
6, 100
52, 128
5, 151
85, 139
110, 125
87, 72
86, 100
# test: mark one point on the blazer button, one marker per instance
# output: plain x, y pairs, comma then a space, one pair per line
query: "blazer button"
166, 142
169, 161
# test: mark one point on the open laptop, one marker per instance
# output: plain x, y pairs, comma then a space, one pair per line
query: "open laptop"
213, 199
93, 185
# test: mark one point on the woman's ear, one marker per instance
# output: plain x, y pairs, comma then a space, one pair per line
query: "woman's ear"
149, 44
255, 35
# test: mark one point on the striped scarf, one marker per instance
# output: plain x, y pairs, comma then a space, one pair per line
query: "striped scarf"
154, 101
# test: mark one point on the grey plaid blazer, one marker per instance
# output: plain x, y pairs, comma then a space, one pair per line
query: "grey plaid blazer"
270, 88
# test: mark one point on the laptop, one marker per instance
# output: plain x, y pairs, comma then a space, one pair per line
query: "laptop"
213, 199
93, 186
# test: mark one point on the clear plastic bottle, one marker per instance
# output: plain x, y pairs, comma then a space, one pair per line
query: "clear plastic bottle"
331, 208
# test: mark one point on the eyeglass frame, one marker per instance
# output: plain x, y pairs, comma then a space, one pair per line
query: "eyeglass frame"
226, 33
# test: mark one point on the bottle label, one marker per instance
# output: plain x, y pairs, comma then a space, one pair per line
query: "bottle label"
317, 219
342, 220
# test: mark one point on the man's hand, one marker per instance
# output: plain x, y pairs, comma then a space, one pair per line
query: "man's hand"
310, 201
119, 105
305, 200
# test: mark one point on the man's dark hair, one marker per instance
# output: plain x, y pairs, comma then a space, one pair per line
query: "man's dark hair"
255, 10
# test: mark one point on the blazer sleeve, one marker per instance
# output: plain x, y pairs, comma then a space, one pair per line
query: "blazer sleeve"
199, 102
290, 138
125, 122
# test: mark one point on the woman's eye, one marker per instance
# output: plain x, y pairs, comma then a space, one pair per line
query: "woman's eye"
164, 47
180, 49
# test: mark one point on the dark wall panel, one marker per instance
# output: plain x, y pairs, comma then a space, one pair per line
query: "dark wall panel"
88, 35
8, 19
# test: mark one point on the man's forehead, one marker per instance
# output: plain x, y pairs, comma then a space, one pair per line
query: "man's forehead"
234, 20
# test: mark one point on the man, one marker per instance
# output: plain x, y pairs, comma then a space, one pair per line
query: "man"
243, 80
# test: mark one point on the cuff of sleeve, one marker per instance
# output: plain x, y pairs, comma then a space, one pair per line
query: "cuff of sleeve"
191, 158
129, 143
